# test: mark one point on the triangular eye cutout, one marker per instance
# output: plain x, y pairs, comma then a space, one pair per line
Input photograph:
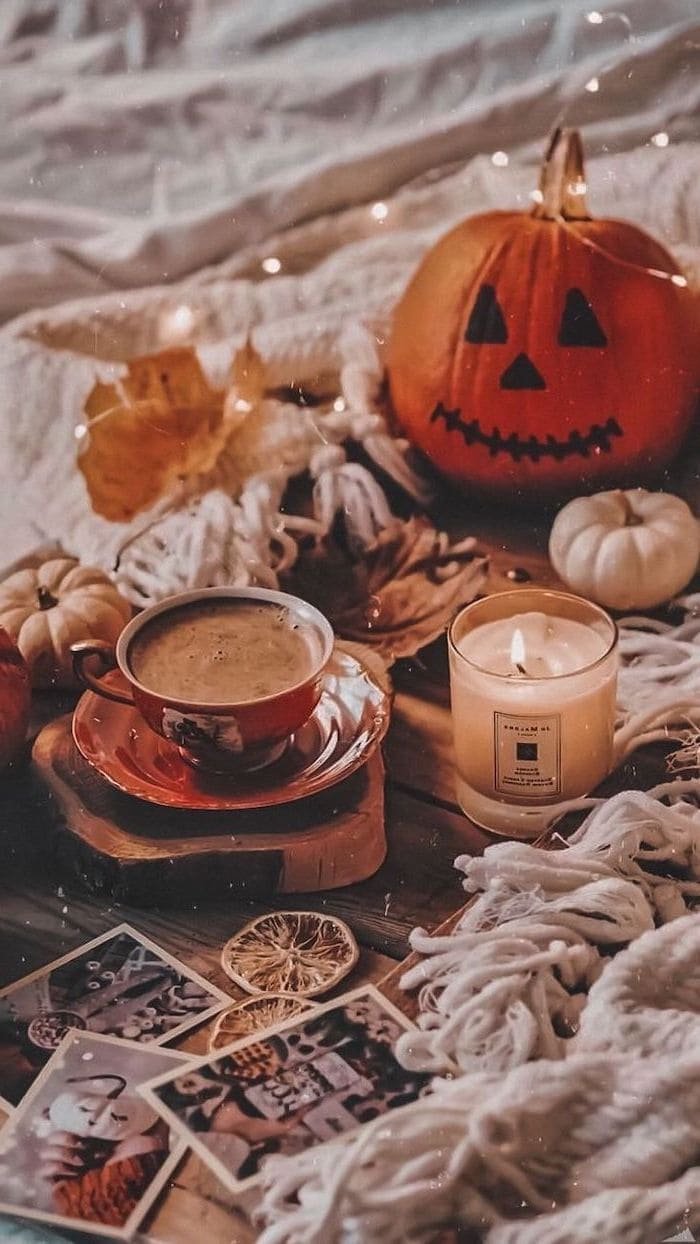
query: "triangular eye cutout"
486, 323
579, 326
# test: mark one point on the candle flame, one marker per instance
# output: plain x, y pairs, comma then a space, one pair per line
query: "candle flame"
517, 648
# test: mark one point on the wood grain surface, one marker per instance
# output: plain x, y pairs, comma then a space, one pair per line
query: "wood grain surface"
133, 851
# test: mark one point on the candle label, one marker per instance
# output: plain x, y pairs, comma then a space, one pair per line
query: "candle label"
528, 755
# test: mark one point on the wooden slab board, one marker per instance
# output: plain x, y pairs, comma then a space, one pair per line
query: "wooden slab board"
137, 852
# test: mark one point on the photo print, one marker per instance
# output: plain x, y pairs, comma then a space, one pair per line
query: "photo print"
302, 1083
84, 1150
121, 984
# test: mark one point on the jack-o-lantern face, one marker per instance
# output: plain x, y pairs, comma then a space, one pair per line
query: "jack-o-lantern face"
486, 326
537, 354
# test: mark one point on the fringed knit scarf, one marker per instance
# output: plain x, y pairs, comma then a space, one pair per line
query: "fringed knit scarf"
561, 1020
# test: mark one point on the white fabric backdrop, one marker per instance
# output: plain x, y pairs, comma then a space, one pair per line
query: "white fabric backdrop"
143, 142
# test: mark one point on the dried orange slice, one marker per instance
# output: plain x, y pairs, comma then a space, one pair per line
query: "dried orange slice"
254, 1014
298, 952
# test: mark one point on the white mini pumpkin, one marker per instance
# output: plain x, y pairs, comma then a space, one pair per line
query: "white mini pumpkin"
47, 608
625, 550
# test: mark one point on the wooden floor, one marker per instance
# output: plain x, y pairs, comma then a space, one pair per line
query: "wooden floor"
41, 916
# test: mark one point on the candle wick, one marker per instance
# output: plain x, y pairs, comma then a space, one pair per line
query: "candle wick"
521, 669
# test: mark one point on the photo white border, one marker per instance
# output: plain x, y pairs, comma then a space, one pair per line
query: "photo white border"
179, 1148
194, 1021
191, 1138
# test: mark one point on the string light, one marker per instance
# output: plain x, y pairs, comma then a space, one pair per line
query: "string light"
272, 265
594, 17
661, 139
500, 159
177, 323
80, 431
537, 196
592, 85
674, 277
339, 404
380, 211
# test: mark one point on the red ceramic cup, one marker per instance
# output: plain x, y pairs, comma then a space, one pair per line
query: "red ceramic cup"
219, 737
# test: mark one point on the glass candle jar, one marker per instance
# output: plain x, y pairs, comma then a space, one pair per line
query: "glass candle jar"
533, 678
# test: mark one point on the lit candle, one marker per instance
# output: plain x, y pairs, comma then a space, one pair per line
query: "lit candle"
533, 679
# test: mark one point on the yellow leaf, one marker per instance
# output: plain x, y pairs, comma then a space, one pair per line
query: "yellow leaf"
161, 423
248, 382
248, 375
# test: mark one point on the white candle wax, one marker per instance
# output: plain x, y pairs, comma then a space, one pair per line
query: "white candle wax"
542, 646
533, 707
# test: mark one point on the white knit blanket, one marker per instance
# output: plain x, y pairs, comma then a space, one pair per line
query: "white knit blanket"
564, 1108
50, 360
560, 1019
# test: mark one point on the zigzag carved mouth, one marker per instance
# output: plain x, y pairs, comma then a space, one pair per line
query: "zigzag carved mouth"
597, 439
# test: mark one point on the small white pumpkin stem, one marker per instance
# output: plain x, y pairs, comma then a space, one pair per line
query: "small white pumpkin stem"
562, 179
631, 518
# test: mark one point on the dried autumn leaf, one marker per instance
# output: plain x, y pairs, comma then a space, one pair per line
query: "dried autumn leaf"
403, 592
248, 375
173, 377
247, 386
159, 424
372, 659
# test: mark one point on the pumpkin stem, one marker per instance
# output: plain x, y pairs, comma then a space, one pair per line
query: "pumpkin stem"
631, 518
562, 179
44, 598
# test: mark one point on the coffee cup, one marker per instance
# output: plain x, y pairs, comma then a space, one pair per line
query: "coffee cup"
227, 674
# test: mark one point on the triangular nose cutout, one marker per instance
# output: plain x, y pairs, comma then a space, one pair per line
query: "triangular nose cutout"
522, 374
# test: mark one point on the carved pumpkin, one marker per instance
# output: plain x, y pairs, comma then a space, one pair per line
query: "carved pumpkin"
535, 354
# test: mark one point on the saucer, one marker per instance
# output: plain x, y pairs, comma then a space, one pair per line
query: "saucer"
350, 720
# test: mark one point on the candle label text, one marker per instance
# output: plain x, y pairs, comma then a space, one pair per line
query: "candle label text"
527, 754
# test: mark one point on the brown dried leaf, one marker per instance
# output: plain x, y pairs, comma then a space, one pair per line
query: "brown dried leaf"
403, 593
372, 659
248, 386
159, 424
248, 375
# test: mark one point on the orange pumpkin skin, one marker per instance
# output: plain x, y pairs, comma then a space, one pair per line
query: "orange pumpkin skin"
609, 412
15, 695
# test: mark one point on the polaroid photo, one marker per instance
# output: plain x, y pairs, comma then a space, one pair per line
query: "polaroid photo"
121, 985
298, 1084
84, 1150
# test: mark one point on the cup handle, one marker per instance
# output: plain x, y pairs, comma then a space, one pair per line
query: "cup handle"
99, 648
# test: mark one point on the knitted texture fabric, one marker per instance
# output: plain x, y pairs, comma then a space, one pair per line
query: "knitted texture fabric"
325, 326
492, 1150
556, 1113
